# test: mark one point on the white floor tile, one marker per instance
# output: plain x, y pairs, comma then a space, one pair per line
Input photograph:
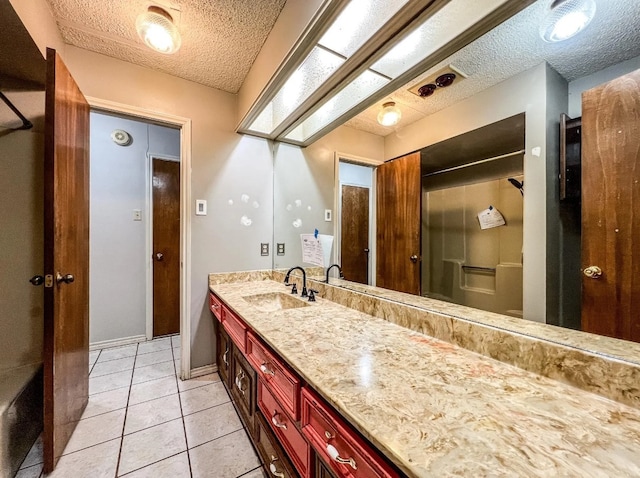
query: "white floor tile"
154, 345
94, 430
175, 467
99, 461
109, 382
104, 402
34, 457
198, 382
176, 341
229, 456
154, 412
210, 424
152, 372
118, 353
93, 356
112, 366
30, 472
152, 389
151, 445
154, 357
200, 398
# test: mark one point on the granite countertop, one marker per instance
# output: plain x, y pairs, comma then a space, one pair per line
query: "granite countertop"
436, 409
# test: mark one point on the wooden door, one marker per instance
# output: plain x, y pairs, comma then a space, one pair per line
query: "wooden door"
66, 259
610, 219
354, 234
166, 247
398, 224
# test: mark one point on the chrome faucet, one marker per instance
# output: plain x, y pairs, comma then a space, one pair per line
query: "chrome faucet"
331, 267
304, 281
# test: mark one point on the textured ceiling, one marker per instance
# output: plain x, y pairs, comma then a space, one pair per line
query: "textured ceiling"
515, 46
220, 38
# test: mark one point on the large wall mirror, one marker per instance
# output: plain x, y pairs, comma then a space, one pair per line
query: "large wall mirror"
493, 138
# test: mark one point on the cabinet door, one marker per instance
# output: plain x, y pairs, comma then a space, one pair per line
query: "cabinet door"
243, 388
273, 456
224, 353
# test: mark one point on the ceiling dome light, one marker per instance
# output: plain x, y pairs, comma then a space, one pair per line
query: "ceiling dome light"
390, 114
567, 18
157, 30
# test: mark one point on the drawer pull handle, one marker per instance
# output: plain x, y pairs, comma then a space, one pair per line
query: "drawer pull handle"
239, 378
224, 357
266, 371
276, 422
335, 456
272, 468
215, 306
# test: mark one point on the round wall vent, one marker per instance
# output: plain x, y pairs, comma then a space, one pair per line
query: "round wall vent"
121, 137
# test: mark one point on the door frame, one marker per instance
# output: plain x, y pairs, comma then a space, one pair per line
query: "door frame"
185, 217
148, 217
337, 207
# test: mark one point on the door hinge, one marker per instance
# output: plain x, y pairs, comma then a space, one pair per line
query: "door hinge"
48, 280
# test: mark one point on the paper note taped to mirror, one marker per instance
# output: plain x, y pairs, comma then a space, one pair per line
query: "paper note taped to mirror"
490, 218
316, 251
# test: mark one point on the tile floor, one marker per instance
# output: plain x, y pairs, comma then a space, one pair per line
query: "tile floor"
143, 421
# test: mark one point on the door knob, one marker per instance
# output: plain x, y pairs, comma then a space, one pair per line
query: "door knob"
413, 258
67, 278
37, 280
592, 272
159, 256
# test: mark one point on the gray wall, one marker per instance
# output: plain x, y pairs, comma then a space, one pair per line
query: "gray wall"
118, 245
21, 236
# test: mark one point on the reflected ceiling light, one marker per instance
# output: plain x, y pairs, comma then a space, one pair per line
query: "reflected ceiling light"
390, 114
156, 28
566, 19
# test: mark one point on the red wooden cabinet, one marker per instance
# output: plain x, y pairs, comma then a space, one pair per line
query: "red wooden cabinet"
348, 455
282, 383
285, 430
235, 327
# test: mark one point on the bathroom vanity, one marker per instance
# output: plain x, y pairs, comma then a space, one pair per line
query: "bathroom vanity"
327, 390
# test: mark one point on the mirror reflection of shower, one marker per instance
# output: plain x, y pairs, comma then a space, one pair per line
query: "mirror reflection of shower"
464, 260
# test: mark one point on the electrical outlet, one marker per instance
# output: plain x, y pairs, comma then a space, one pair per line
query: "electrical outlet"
280, 248
327, 215
264, 248
137, 214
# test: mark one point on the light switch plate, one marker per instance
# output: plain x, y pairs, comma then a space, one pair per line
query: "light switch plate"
201, 207
280, 248
264, 248
327, 215
137, 214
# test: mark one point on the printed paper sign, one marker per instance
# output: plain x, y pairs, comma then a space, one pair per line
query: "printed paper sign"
490, 218
316, 251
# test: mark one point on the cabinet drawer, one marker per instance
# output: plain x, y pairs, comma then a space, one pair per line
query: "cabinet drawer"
275, 459
282, 383
215, 305
338, 445
235, 328
285, 430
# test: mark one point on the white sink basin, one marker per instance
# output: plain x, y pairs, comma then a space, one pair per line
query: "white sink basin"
274, 301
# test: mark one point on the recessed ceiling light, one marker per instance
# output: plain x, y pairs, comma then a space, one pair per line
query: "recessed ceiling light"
156, 28
566, 19
390, 114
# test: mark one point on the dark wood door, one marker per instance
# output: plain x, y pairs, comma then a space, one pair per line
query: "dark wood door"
66, 259
398, 224
610, 219
166, 247
354, 235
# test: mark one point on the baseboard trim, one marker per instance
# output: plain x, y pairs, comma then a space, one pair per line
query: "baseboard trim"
206, 370
117, 342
